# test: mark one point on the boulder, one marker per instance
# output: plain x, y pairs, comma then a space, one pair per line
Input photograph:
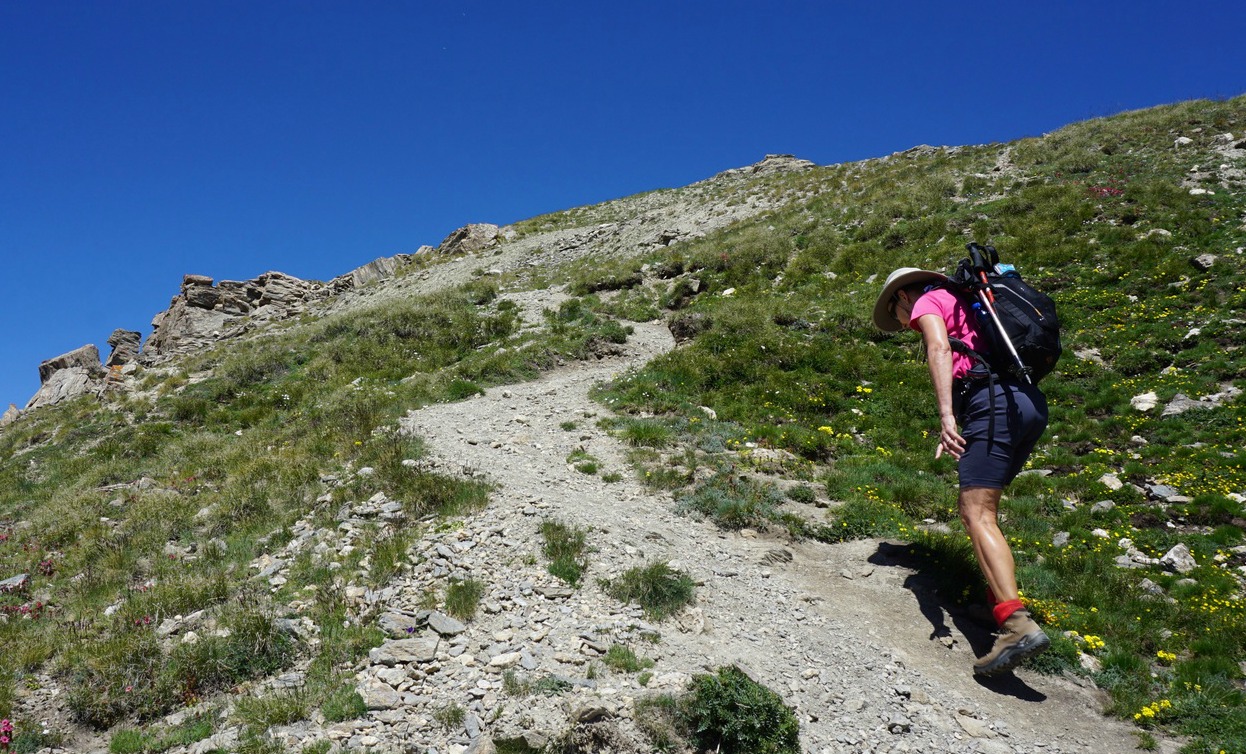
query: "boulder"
377, 695
183, 328
282, 289
772, 164
445, 625
190, 281
237, 297
1179, 559
69, 375
1203, 262
1181, 403
87, 357
401, 651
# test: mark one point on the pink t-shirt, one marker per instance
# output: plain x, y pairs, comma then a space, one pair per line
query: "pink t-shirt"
960, 320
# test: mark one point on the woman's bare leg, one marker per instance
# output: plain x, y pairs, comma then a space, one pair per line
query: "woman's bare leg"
979, 510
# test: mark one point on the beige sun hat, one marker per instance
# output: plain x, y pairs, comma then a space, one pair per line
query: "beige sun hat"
901, 278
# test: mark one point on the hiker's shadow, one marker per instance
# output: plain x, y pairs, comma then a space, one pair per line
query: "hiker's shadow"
974, 623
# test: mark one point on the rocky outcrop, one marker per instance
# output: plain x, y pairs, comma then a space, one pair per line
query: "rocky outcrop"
69, 375
375, 271
771, 164
203, 313
469, 239
11, 415
125, 345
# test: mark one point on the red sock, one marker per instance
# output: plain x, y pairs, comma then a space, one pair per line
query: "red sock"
990, 598
1005, 609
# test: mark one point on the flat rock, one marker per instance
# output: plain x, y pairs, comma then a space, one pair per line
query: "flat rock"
377, 694
399, 625
417, 649
14, 584
445, 625
975, 727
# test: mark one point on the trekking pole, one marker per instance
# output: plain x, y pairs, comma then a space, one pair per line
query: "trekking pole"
987, 297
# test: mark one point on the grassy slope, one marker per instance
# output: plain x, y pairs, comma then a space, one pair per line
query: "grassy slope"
1100, 215
790, 362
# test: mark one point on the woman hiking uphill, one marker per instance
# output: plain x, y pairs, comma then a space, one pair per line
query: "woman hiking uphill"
995, 437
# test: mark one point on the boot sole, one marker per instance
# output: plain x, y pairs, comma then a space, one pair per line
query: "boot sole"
1029, 646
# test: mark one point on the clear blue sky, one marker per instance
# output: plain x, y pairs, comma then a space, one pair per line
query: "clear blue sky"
144, 139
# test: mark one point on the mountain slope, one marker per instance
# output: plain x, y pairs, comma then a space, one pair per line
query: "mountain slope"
208, 525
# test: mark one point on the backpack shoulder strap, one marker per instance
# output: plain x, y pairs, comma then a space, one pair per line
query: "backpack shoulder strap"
961, 347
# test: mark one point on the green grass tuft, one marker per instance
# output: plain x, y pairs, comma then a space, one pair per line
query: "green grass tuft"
660, 590
463, 598
565, 547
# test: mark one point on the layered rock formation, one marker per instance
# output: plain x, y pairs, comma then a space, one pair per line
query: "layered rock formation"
125, 345
203, 313
469, 239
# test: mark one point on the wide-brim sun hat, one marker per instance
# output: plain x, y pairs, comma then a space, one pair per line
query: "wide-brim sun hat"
901, 278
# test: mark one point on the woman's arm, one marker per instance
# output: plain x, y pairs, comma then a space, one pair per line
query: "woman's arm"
939, 359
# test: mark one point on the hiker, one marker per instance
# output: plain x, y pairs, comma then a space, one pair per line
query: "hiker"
990, 436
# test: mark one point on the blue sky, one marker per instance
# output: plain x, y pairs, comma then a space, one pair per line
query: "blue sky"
144, 139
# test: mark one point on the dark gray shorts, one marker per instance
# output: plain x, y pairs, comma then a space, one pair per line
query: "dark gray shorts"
1020, 410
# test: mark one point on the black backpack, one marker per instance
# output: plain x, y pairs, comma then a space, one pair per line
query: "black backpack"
1023, 317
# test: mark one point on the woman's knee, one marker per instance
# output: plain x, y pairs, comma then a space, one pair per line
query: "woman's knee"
978, 506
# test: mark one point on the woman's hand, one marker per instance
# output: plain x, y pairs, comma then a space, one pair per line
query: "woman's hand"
950, 441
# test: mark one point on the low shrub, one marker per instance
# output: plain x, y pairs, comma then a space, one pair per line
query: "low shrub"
733, 502
724, 712
661, 720
258, 714
802, 493
733, 714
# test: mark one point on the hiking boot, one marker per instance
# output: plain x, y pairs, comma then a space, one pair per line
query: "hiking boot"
1019, 638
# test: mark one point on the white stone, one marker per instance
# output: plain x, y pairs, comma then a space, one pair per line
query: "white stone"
507, 660
1111, 481
1179, 559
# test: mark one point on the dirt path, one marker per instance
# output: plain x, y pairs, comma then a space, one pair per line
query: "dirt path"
833, 629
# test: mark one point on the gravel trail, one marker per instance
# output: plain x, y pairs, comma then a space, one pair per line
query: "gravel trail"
841, 632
